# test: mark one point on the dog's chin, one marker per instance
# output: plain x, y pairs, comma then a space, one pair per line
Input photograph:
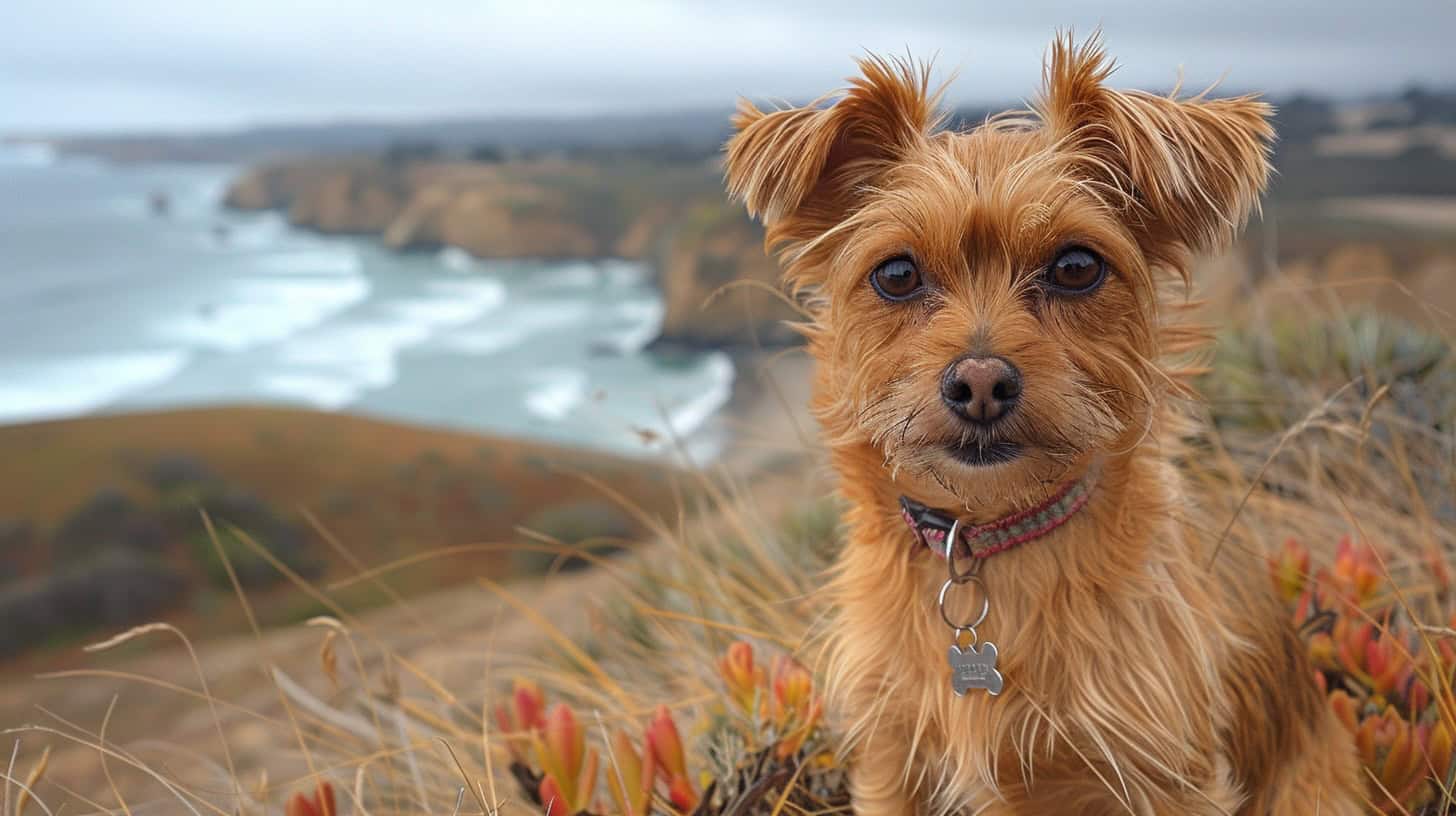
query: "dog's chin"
980, 455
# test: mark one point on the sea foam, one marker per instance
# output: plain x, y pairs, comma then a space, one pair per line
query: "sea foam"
555, 393
50, 389
253, 311
332, 365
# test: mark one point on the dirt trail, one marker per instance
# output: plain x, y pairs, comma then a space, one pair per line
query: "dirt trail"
455, 636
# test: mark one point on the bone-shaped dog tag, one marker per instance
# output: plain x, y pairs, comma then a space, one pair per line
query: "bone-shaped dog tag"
972, 668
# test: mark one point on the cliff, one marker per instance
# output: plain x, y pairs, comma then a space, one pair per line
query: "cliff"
673, 216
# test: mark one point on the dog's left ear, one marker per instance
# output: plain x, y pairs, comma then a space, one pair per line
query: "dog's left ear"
1185, 172
811, 162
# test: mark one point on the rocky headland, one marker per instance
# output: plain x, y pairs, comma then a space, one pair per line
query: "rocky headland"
672, 216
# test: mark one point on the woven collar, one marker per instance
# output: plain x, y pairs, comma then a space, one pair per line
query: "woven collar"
985, 540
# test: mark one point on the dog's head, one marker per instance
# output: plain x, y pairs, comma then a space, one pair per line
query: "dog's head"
985, 304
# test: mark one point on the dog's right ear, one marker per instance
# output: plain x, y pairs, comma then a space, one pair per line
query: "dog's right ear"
809, 164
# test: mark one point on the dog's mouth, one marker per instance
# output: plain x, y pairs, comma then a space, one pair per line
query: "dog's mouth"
984, 454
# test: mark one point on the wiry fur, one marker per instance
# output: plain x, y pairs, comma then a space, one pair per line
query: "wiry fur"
1138, 679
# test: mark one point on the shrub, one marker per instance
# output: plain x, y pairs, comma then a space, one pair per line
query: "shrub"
115, 589
597, 524
1265, 377
108, 520
178, 471
15, 541
234, 508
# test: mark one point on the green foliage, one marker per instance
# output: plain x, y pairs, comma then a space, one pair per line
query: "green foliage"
123, 555
113, 588
1267, 377
594, 524
812, 532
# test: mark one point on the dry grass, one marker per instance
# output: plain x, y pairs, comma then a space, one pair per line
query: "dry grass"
401, 728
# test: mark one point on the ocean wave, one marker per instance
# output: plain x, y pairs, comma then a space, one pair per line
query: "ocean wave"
78, 385
646, 317
555, 393
456, 259
251, 233
569, 276
338, 259
625, 273
452, 303
332, 365
361, 353
254, 311
686, 417
526, 321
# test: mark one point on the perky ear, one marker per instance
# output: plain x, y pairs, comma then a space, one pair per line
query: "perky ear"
812, 160
1186, 172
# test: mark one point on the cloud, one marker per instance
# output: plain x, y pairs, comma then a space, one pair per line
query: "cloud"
89, 64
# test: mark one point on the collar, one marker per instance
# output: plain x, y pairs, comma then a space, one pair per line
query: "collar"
985, 540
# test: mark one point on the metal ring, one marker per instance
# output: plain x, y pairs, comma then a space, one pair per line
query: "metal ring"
950, 541
985, 604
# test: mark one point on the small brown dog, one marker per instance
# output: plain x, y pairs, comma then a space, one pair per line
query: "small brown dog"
994, 369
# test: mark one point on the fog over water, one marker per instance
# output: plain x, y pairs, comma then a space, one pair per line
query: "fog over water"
166, 64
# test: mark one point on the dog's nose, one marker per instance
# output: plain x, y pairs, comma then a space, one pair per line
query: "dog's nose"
981, 389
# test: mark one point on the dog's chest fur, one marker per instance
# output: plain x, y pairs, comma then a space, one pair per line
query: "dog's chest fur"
1090, 622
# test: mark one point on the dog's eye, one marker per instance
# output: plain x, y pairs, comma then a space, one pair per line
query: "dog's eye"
1076, 271
896, 279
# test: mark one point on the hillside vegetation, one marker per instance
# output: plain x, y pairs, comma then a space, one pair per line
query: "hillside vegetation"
101, 519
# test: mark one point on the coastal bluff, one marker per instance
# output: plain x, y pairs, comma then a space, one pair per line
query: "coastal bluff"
672, 216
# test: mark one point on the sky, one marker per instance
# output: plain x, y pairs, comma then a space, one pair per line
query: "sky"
179, 65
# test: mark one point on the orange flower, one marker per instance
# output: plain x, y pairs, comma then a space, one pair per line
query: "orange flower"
1438, 749
1418, 696
1290, 569
1356, 572
1376, 658
792, 742
552, 799
1322, 650
566, 762
740, 675
793, 690
1388, 662
1388, 746
1346, 710
320, 804
522, 719
667, 755
680, 792
792, 706
1438, 570
630, 776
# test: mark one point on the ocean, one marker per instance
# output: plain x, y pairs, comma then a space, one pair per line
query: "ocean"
108, 305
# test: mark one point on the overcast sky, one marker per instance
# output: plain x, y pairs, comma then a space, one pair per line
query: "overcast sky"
183, 64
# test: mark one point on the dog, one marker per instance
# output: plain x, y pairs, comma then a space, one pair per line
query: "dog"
998, 373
